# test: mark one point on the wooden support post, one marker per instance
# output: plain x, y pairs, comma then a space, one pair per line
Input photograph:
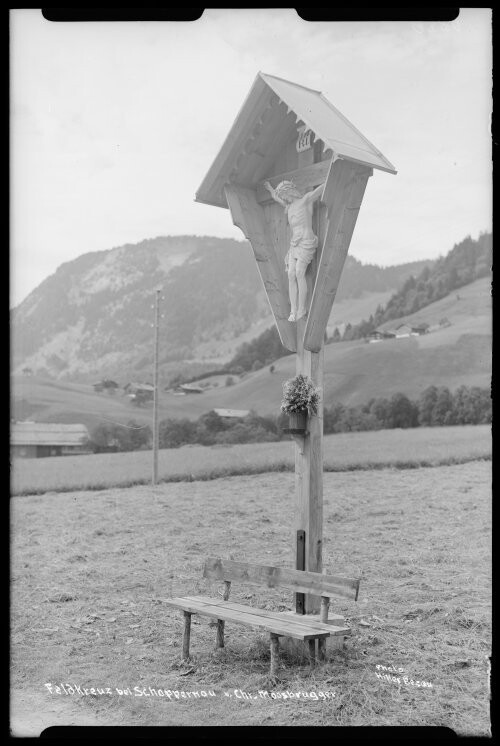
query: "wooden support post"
325, 602
219, 640
300, 565
309, 469
186, 636
322, 649
275, 654
312, 653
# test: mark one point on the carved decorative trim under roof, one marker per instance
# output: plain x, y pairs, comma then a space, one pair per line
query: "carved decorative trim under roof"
272, 111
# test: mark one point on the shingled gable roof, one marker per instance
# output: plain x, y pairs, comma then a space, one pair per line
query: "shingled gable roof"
45, 433
310, 107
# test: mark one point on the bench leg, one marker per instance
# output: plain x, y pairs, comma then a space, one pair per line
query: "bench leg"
275, 654
187, 635
321, 649
219, 640
312, 652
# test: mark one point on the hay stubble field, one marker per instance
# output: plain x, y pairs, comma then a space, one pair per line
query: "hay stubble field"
89, 570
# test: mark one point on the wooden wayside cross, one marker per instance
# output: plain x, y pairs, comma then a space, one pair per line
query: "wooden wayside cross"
287, 133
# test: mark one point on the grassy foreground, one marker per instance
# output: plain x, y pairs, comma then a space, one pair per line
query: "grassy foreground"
342, 452
88, 570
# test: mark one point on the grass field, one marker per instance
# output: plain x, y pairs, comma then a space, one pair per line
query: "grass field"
89, 570
342, 452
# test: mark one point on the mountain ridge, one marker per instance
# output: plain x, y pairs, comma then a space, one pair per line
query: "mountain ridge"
93, 316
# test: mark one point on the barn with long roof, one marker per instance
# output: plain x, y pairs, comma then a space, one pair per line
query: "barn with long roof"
39, 439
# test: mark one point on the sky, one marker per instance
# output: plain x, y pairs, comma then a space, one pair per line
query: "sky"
114, 126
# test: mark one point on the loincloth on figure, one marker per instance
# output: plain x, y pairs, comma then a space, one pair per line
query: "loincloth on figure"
303, 249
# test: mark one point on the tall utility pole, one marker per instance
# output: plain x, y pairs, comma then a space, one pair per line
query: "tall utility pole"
155, 383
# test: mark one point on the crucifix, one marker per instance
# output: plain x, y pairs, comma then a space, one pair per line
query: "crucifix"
293, 171
299, 210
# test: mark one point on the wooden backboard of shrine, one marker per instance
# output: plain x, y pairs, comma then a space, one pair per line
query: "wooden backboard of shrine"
286, 131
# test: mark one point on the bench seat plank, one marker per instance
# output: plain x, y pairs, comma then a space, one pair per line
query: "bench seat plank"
305, 621
283, 627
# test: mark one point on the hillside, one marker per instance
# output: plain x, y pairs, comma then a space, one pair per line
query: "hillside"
92, 318
467, 261
348, 310
354, 372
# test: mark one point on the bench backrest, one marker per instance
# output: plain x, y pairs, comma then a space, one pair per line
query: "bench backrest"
301, 581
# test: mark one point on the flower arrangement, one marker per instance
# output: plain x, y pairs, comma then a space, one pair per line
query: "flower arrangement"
300, 395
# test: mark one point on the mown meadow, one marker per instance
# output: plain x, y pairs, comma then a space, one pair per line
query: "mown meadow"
90, 568
342, 452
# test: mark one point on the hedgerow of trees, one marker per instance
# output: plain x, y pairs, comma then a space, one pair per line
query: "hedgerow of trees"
264, 349
109, 436
436, 406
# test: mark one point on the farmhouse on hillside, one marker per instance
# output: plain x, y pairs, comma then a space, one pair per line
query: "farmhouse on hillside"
403, 330
39, 439
400, 332
139, 393
188, 388
106, 385
379, 334
421, 328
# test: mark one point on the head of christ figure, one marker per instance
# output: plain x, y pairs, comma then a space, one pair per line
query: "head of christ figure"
287, 191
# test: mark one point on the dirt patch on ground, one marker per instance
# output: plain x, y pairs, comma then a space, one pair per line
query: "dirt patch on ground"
32, 712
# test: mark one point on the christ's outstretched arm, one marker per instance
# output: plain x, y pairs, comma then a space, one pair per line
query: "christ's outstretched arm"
273, 194
315, 194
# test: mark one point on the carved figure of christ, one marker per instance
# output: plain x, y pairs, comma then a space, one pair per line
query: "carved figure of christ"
303, 244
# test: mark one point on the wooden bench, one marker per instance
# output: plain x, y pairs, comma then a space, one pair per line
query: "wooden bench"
300, 627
